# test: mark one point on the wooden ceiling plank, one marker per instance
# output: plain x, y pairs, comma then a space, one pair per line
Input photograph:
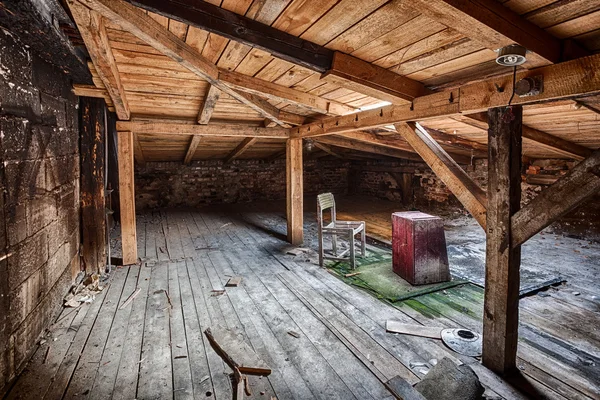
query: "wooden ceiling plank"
92, 29
210, 101
449, 172
236, 27
564, 146
494, 26
173, 127
360, 76
189, 155
566, 80
240, 149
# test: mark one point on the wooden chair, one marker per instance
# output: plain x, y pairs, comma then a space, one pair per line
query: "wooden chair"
335, 228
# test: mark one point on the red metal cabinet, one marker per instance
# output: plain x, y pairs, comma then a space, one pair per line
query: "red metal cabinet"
419, 248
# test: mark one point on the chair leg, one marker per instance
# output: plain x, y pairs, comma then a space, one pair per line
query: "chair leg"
334, 244
363, 244
352, 257
321, 250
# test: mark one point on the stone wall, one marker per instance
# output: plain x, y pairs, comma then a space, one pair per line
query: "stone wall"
172, 184
39, 181
384, 179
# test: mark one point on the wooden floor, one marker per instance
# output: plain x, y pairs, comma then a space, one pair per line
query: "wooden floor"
153, 348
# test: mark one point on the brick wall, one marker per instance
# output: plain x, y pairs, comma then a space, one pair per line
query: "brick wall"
172, 184
39, 180
383, 179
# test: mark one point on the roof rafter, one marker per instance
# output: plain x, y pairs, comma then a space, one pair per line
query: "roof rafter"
240, 149
208, 105
93, 32
189, 154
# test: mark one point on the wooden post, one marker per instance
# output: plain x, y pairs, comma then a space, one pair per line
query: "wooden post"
501, 303
127, 197
294, 196
93, 226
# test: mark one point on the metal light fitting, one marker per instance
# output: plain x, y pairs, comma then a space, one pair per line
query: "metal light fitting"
511, 55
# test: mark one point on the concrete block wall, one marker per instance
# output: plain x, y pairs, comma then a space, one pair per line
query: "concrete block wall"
172, 184
39, 210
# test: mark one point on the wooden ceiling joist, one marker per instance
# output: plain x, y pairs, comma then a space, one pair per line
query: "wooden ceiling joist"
214, 19
165, 127
93, 32
208, 106
240, 149
449, 172
570, 79
494, 26
189, 154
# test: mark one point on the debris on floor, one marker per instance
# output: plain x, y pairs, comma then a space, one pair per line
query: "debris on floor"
239, 356
84, 290
462, 341
234, 281
448, 381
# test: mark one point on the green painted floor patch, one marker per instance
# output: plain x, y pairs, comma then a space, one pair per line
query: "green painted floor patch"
376, 275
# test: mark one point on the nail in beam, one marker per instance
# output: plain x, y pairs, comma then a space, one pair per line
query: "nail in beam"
501, 303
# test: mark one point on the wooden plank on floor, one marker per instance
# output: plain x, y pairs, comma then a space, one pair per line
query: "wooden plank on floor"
127, 376
201, 380
104, 381
35, 381
89, 362
69, 362
182, 375
155, 376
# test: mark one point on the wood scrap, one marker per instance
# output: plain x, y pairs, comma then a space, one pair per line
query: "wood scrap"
294, 334
351, 274
247, 386
414, 330
403, 390
168, 298
130, 298
234, 281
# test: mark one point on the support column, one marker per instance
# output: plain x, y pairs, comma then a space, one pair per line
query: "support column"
127, 197
501, 304
294, 184
93, 202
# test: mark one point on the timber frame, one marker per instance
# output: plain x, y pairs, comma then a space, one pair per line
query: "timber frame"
420, 111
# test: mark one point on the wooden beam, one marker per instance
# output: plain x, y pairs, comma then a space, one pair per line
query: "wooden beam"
93, 32
295, 195
358, 75
93, 202
561, 81
478, 149
215, 19
241, 148
268, 110
563, 146
564, 195
127, 197
447, 170
141, 25
326, 149
395, 143
138, 152
501, 301
208, 106
172, 127
189, 155
273, 91
366, 147
494, 26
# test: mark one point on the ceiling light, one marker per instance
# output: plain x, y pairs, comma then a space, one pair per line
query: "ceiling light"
512, 55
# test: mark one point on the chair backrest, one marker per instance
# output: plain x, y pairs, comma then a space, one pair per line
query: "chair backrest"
325, 201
